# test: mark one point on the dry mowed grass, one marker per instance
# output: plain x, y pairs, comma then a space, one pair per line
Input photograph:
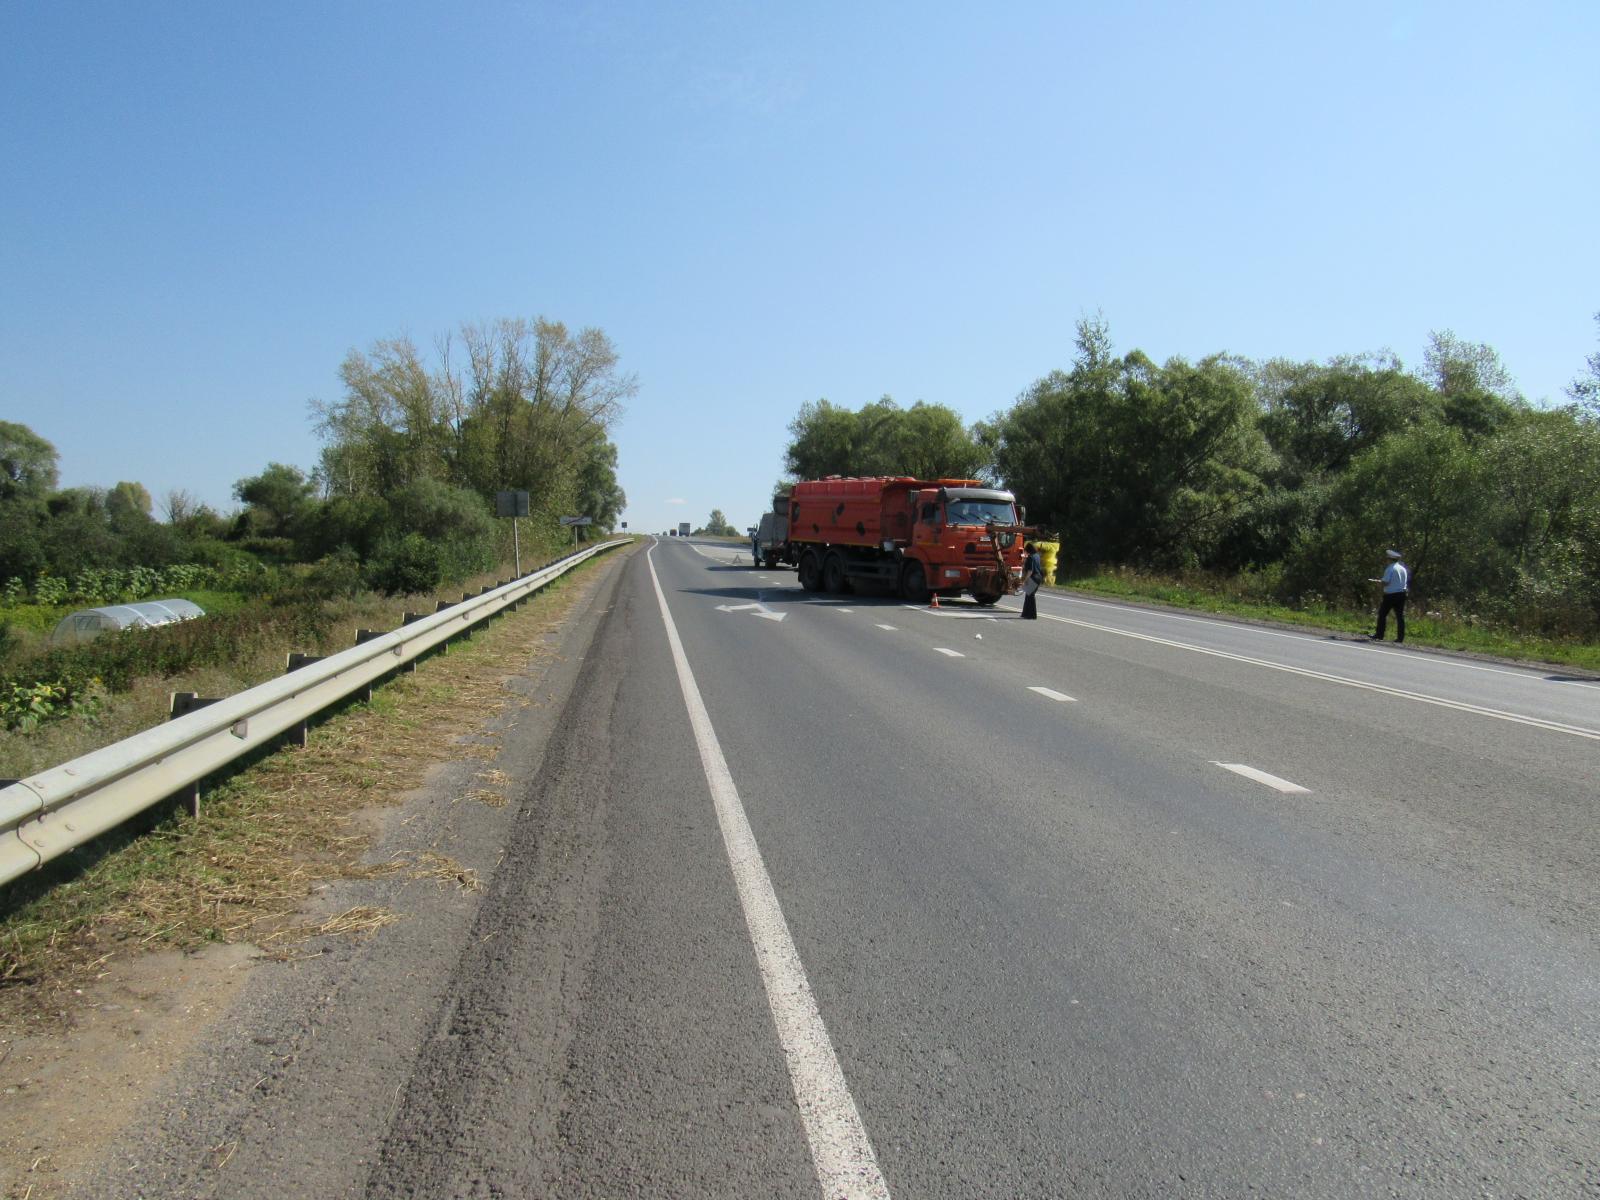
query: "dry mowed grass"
273, 832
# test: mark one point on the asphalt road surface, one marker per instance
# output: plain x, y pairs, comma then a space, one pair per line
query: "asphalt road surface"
814, 895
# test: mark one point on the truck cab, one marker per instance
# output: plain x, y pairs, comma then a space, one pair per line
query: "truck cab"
965, 537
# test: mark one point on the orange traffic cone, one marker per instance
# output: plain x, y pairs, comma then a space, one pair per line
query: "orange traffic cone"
934, 603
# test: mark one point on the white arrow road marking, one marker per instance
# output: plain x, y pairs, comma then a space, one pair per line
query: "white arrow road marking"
1272, 781
1053, 695
761, 610
840, 1150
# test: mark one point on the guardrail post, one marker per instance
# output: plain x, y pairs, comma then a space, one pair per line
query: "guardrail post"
366, 635
466, 631
411, 618
300, 733
444, 646
181, 704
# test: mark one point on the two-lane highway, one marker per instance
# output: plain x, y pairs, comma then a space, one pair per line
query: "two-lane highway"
1132, 903
817, 895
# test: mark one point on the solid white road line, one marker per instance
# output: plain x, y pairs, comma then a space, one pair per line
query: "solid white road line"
1318, 639
840, 1150
1052, 694
947, 614
949, 653
1272, 781
1420, 697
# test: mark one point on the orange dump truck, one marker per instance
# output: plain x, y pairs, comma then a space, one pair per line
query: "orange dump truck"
912, 535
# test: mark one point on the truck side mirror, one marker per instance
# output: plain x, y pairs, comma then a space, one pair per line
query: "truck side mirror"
1022, 515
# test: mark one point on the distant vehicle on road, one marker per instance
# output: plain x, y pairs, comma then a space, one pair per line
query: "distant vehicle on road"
920, 537
683, 529
771, 545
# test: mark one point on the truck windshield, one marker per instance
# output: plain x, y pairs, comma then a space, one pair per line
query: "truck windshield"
981, 512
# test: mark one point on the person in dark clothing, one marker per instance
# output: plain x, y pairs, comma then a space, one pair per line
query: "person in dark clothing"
1396, 582
1032, 578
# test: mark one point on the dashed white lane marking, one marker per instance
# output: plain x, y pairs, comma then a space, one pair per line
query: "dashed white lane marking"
890, 628
949, 653
840, 1150
1272, 781
1420, 697
847, 611
1052, 694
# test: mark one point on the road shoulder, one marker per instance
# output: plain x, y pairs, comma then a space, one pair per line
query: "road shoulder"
202, 1044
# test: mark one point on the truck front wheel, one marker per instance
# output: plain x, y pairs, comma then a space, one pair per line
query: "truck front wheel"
914, 583
987, 598
810, 571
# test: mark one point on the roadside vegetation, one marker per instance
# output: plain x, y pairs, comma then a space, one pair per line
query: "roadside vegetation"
271, 832
717, 526
1276, 486
401, 504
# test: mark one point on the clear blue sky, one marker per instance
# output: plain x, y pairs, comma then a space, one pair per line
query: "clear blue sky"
204, 206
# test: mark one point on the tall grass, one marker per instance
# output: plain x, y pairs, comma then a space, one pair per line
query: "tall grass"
130, 675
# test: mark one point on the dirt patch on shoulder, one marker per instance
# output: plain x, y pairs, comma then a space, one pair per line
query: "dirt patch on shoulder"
132, 1026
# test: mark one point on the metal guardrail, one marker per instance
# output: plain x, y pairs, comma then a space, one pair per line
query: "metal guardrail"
48, 814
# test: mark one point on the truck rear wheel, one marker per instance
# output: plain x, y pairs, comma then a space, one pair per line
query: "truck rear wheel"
914, 583
833, 579
810, 571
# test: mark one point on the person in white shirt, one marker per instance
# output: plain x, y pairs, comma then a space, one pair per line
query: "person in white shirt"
1396, 582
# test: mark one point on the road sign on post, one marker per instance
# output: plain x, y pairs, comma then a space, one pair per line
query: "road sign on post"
513, 505
576, 523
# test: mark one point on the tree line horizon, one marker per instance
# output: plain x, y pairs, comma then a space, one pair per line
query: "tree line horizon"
402, 496
1300, 474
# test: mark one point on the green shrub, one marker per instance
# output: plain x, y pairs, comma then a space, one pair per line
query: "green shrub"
336, 576
49, 589
27, 706
403, 565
